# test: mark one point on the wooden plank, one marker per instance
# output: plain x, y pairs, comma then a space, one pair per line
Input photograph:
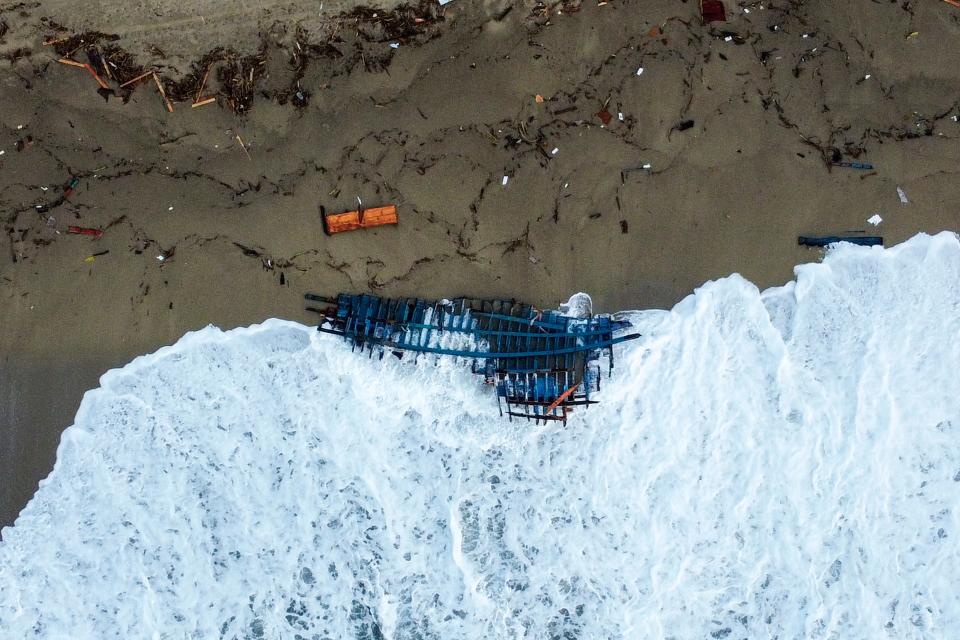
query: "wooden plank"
137, 79
363, 219
203, 103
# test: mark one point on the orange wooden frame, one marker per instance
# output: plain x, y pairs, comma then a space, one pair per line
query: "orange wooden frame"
362, 219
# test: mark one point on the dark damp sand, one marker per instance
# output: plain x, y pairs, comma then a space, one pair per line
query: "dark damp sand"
729, 194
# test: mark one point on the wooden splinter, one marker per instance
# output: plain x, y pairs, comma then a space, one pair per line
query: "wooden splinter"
137, 79
163, 94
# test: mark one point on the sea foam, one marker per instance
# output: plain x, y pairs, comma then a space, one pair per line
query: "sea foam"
783, 464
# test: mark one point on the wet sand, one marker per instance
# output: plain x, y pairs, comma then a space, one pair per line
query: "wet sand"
433, 126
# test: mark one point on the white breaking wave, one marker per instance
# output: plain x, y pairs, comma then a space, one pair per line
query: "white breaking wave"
783, 464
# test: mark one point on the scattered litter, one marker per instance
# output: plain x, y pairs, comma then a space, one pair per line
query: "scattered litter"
604, 116
161, 258
539, 99
566, 184
875, 219
640, 71
903, 195
94, 256
44, 188
243, 146
654, 31
533, 260
88, 67
504, 181
3, 152
728, 39
20, 127
169, 208
394, 45
554, 152
86, 231
863, 166
70, 186
203, 102
626, 170
913, 34
136, 79
866, 77
620, 116
163, 93
443, 2
712, 11
360, 219
953, 2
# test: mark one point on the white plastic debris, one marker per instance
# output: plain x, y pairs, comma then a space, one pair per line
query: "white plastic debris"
160, 258
19, 127
866, 77
554, 152
533, 260
566, 184
620, 116
728, 39
169, 208
647, 166
640, 71
580, 305
504, 182
3, 152
443, 2
875, 219
394, 45
903, 195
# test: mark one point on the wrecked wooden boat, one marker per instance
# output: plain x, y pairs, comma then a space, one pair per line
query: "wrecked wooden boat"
541, 363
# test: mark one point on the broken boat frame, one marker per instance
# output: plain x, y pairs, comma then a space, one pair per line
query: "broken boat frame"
542, 363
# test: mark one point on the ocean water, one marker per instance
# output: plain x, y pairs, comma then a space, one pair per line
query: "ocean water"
783, 464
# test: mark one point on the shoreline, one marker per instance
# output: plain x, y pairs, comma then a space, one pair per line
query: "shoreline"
434, 132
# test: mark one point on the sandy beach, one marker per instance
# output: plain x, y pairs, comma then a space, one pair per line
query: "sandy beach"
741, 126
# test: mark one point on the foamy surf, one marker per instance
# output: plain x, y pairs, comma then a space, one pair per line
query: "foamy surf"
778, 464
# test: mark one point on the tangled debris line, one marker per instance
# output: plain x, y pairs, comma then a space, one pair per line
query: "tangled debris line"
404, 22
303, 52
238, 76
233, 79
